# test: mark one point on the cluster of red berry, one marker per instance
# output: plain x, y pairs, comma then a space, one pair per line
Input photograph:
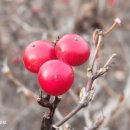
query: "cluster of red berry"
53, 63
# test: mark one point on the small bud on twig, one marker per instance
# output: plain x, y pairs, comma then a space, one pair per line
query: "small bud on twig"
117, 22
5, 68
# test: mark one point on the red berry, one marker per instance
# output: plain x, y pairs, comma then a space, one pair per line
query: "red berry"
16, 60
37, 53
72, 49
55, 77
36, 10
67, 1
112, 2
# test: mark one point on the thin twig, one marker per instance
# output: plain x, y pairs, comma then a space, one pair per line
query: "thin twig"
109, 60
100, 35
78, 108
26, 26
83, 103
21, 88
99, 73
116, 23
97, 124
86, 95
114, 109
88, 89
97, 38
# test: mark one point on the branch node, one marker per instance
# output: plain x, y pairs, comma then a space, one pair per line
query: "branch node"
86, 97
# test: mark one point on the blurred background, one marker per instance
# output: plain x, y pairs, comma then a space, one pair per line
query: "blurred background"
24, 21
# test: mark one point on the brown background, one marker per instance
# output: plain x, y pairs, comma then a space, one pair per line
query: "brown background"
23, 21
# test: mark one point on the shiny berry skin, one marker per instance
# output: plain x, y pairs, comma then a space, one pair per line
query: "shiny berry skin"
72, 49
55, 77
37, 53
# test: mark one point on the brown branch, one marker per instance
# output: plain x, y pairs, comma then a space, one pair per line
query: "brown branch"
88, 98
43, 101
99, 41
116, 23
98, 35
99, 72
48, 118
88, 93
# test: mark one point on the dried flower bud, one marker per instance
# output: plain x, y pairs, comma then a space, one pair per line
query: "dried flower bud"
118, 21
